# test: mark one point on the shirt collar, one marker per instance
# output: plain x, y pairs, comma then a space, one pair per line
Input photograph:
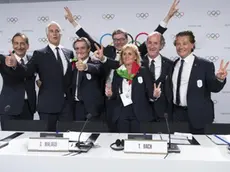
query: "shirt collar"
156, 59
19, 58
188, 59
53, 47
86, 60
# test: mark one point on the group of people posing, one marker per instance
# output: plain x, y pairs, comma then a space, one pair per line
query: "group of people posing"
127, 84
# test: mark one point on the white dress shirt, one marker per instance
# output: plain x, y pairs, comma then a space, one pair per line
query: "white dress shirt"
77, 82
63, 58
185, 75
157, 65
127, 92
25, 59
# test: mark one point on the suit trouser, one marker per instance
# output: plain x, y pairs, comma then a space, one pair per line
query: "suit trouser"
109, 115
80, 112
26, 114
51, 118
180, 114
127, 121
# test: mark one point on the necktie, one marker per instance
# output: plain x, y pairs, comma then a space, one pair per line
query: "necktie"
59, 59
22, 62
178, 83
152, 69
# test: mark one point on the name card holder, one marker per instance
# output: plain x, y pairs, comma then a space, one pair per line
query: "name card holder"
146, 146
48, 144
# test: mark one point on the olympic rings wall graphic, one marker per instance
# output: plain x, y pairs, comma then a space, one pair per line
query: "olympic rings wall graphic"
130, 37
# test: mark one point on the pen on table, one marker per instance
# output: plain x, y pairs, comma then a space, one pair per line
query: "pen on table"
222, 139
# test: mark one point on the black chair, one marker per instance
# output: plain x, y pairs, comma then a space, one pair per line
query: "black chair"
217, 129
161, 127
91, 126
25, 125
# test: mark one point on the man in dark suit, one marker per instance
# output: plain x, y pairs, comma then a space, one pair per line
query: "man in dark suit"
18, 96
159, 69
193, 79
53, 66
88, 98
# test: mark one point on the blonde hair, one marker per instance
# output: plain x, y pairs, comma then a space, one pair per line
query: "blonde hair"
133, 48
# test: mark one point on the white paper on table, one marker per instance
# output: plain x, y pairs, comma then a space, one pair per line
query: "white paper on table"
215, 140
156, 137
176, 139
73, 136
187, 135
227, 137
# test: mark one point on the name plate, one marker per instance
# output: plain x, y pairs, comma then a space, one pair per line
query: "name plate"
146, 146
48, 144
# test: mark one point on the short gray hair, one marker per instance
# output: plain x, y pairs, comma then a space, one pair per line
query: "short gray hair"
162, 39
53, 23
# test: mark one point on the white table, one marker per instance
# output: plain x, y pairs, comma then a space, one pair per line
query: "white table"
207, 157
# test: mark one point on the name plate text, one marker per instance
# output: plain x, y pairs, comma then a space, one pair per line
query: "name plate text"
146, 146
48, 144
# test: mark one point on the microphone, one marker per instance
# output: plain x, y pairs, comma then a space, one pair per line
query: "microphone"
79, 143
172, 148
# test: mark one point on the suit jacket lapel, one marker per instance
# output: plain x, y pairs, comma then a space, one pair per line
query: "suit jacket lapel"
120, 81
66, 54
145, 62
50, 52
135, 81
193, 74
163, 68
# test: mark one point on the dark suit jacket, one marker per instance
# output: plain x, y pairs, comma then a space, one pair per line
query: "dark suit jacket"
199, 102
13, 90
141, 95
89, 90
54, 84
161, 105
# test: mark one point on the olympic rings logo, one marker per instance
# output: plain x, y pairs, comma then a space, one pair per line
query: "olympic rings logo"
132, 39
212, 58
72, 39
43, 40
142, 15
213, 13
108, 16
12, 20
43, 19
213, 36
77, 17
179, 14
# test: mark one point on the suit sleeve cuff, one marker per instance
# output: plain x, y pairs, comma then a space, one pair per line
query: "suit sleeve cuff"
163, 24
220, 80
78, 27
154, 99
105, 59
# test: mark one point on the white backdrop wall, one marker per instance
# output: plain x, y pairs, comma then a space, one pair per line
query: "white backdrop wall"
208, 19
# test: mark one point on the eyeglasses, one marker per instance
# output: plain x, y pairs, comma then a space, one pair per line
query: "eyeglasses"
119, 40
